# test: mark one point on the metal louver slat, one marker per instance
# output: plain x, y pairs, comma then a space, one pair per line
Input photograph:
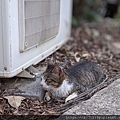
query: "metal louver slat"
40, 22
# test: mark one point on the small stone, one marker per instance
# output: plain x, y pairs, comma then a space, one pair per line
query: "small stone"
114, 47
85, 41
95, 33
107, 37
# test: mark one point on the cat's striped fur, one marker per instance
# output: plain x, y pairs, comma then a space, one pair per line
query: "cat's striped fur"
82, 76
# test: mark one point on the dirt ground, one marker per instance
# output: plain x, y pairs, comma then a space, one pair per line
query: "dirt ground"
98, 42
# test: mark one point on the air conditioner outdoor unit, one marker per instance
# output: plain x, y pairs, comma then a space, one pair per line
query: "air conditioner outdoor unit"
31, 30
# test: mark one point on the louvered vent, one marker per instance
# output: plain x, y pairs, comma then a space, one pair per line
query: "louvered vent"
38, 22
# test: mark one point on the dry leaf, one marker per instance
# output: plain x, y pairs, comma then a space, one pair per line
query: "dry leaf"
1, 111
15, 112
85, 55
70, 97
77, 57
14, 101
88, 31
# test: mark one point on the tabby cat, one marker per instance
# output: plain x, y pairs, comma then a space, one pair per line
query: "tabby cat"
60, 83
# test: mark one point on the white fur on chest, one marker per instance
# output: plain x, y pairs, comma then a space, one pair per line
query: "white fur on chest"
63, 91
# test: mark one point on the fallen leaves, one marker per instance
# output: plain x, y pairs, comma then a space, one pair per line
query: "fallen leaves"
1, 105
114, 47
14, 101
95, 33
77, 56
87, 43
70, 97
1, 111
85, 55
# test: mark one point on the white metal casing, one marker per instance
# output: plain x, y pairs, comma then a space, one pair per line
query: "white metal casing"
12, 60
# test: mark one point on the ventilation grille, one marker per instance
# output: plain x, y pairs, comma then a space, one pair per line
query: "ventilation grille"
39, 21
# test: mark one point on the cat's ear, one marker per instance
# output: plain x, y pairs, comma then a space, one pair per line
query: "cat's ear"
62, 64
50, 65
51, 62
58, 71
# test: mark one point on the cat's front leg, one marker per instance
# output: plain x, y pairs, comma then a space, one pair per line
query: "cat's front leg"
49, 97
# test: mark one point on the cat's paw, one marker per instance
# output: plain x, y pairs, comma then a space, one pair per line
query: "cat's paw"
48, 97
70, 97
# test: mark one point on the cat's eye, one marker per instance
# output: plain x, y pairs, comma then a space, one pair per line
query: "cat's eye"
46, 80
53, 80
45, 77
50, 80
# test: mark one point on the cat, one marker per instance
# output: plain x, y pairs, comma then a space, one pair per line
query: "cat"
78, 78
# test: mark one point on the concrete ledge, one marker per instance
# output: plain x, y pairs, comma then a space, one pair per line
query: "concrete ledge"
104, 102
